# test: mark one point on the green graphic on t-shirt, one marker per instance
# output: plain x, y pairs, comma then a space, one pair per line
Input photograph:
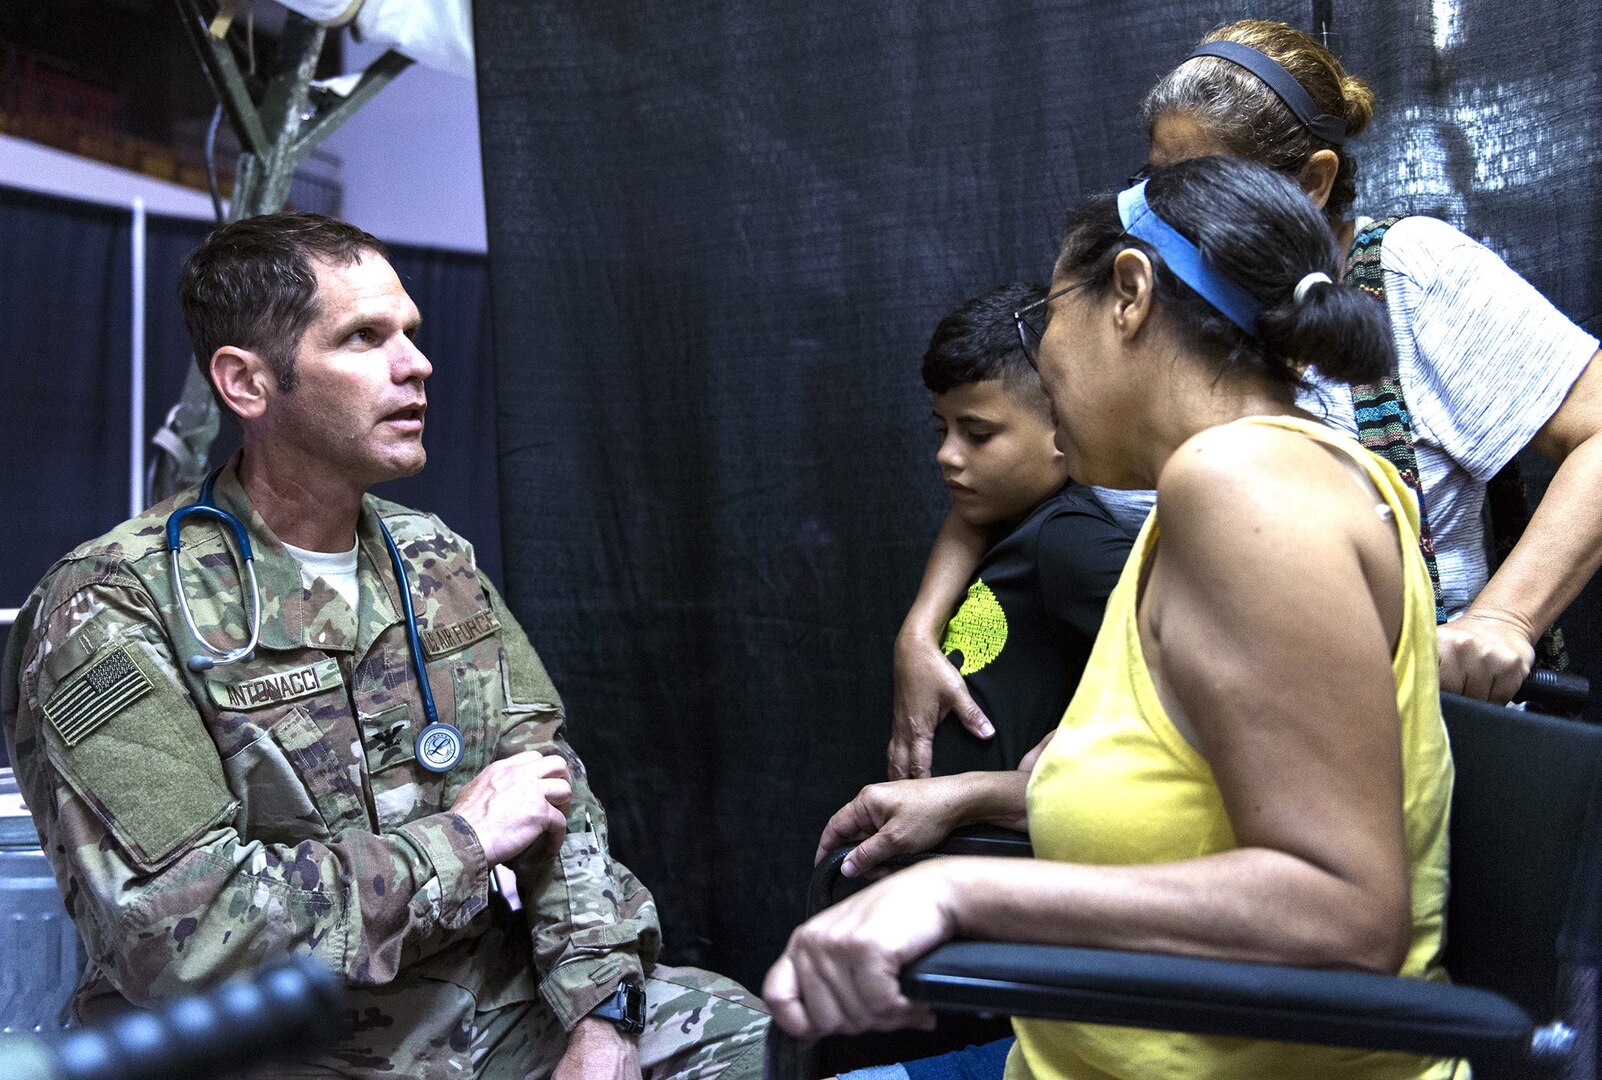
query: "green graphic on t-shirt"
977, 632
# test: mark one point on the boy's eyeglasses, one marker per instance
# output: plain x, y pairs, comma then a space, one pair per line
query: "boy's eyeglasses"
1031, 322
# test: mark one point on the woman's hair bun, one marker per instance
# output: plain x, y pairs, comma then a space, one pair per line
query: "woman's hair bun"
1337, 329
1359, 101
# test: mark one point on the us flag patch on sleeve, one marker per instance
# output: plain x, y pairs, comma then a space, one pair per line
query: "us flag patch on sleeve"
95, 696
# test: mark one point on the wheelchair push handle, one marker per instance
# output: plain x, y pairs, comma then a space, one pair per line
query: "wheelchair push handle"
1558, 691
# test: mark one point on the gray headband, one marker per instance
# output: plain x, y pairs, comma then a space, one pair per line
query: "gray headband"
1332, 129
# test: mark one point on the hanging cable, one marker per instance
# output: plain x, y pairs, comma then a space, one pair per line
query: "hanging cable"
211, 161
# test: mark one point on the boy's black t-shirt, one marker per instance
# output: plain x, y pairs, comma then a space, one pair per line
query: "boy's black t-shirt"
1023, 633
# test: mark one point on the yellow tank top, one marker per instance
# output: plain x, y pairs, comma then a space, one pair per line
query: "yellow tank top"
1119, 785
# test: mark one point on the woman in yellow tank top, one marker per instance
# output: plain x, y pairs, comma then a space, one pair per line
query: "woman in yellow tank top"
1254, 766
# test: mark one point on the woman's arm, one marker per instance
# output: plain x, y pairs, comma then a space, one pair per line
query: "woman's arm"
1271, 607
1496, 367
1269, 619
1490, 648
926, 685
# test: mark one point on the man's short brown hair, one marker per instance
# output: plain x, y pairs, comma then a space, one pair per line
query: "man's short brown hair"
251, 284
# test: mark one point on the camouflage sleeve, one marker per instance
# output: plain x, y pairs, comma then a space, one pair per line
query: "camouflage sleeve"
136, 815
593, 923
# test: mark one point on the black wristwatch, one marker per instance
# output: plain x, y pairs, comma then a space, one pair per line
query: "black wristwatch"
625, 1008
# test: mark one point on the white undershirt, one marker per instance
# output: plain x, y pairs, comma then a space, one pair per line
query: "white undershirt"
336, 568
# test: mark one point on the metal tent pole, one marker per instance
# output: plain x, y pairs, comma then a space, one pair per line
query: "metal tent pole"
276, 133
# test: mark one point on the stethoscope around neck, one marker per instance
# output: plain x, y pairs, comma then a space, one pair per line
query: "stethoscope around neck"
439, 745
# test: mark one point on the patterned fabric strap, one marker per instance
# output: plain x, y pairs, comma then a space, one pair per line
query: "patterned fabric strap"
1385, 427
1384, 424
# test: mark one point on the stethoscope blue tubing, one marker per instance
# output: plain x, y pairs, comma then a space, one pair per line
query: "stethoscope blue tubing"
412, 638
205, 507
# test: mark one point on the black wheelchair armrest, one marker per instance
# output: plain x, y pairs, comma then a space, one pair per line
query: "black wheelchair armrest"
824, 887
975, 840
1218, 997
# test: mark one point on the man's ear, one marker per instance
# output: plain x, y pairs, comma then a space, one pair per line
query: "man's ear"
1317, 176
242, 380
1133, 284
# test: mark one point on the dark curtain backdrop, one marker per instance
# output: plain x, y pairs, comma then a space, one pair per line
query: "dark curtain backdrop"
461, 479
721, 233
65, 354
66, 281
65, 304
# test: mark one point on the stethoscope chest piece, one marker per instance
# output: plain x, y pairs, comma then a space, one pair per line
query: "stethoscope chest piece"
439, 747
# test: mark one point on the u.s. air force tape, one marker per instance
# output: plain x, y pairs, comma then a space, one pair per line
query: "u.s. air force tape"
439, 747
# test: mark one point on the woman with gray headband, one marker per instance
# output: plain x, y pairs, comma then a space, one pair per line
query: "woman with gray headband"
1485, 367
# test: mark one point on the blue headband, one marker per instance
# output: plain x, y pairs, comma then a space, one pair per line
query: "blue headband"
1186, 260
1332, 129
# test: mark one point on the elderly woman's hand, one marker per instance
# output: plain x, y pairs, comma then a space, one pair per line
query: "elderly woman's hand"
927, 689
902, 817
1485, 654
905, 817
840, 972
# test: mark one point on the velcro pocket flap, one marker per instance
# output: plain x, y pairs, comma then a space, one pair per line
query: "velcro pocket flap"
587, 869
72, 654
327, 775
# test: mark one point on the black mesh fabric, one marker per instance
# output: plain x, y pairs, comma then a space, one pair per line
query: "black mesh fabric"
720, 236
1487, 118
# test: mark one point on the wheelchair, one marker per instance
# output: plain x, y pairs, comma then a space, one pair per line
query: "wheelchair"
1523, 942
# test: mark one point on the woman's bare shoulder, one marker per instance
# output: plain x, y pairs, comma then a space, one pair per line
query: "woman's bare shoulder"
1256, 479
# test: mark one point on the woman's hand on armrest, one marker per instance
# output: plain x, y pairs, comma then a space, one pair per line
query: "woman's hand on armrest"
840, 972
905, 817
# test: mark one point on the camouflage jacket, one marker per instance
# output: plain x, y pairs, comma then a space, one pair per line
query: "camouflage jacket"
200, 824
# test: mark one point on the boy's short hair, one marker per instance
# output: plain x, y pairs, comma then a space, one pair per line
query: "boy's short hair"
979, 341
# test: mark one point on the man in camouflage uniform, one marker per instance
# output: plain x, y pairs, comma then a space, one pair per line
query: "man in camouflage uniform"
203, 822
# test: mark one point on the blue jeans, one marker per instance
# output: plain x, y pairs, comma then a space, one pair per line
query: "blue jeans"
987, 1062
